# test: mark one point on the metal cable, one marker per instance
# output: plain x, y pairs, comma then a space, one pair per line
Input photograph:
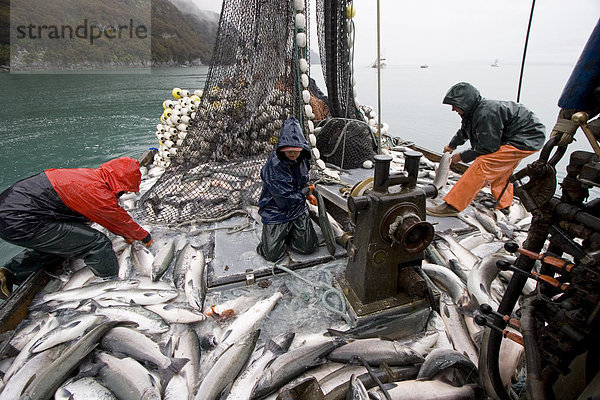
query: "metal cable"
378, 79
525, 51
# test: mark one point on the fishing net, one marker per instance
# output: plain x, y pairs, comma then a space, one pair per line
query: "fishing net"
345, 143
345, 139
258, 77
335, 35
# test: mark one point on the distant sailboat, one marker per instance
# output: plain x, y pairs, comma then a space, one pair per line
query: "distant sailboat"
382, 63
495, 63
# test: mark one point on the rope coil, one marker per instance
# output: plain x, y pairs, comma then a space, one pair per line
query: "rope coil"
330, 290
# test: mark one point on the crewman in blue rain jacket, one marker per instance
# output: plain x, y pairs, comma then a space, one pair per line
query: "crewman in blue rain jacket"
282, 204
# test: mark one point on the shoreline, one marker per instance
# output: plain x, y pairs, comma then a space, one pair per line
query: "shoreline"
96, 67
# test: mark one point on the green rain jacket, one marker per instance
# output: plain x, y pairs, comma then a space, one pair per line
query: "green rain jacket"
489, 124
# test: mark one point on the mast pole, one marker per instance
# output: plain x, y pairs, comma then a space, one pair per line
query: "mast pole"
378, 80
525, 51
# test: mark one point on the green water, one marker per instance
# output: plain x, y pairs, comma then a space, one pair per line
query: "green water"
80, 120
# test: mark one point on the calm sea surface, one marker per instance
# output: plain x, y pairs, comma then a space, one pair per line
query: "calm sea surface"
82, 120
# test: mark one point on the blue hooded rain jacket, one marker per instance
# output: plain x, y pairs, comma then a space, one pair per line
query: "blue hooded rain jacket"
281, 199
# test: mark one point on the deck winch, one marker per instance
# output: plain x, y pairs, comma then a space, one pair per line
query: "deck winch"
389, 241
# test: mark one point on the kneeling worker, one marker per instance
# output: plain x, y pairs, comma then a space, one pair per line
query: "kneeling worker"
501, 133
282, 204
49, 213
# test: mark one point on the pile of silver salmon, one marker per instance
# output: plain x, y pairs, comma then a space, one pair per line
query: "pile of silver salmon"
156, 332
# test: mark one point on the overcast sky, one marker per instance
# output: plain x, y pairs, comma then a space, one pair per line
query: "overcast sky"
454, 31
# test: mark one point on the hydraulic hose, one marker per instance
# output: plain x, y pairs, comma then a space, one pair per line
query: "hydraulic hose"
488, 364
536, 389
572, 213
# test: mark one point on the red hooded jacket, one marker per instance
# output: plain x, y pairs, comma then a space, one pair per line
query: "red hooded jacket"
93, 193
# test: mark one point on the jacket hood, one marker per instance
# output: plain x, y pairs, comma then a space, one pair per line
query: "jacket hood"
464, 96
291, 136
122, 174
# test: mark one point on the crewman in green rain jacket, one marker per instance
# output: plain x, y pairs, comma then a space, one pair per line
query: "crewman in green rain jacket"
501, 134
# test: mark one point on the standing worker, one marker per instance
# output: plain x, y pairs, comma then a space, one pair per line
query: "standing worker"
49, 213
501, 133
282, 203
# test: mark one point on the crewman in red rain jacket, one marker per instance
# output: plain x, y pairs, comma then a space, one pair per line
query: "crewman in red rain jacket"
49, 213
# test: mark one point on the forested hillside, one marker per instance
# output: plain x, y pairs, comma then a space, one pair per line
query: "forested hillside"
176, 37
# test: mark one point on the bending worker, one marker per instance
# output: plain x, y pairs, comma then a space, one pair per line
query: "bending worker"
49, 213
282, 203
501, 134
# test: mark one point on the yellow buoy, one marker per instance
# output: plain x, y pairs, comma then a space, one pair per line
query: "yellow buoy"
350, 11
167, 113
214, 91
176, 92
194, 98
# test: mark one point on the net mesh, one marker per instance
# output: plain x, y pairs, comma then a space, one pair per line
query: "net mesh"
345, 143
335, 33
345, 138
256, 80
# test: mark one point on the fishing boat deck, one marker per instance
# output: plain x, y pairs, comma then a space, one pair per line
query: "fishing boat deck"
453, 224
234, 258
236, 273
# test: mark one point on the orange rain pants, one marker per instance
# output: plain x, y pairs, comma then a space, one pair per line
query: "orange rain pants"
492, 169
